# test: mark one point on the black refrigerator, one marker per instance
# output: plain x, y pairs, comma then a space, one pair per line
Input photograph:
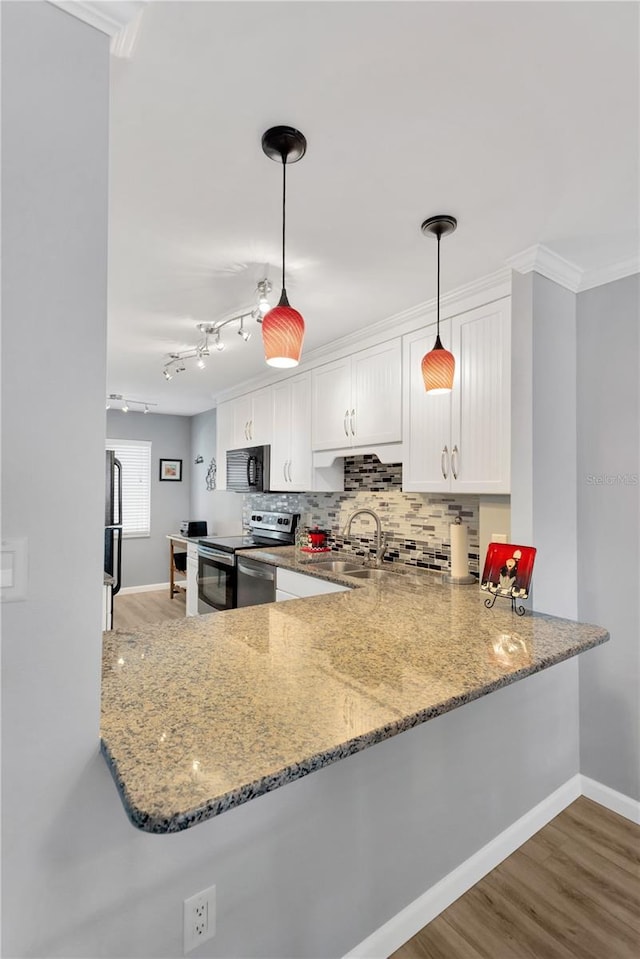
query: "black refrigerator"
113, 522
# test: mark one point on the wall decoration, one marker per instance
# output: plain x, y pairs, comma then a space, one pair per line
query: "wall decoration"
171, 470
507, 573
211, 475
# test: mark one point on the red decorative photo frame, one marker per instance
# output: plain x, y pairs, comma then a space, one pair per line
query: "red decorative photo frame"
507, 570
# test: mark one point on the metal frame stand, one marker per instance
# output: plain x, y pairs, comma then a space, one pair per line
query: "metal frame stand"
518, 610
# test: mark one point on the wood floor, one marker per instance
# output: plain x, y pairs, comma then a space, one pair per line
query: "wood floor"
139, 609
570, 892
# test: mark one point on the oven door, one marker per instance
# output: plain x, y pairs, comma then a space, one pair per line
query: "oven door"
216, 580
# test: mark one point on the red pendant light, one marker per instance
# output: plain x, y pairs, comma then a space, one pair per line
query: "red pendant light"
283, 327
439, 365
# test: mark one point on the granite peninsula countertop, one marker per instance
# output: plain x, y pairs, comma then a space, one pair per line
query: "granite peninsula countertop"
202, 714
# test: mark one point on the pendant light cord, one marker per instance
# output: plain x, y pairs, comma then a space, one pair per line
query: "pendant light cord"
284, 215
438, 291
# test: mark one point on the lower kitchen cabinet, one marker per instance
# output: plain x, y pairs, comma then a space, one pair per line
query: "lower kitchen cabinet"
107, 605
192, 579
290, 585
461, 441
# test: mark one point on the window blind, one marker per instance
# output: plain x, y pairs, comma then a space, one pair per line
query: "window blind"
135, 456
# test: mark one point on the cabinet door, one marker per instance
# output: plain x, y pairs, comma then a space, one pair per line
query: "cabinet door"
242, 411
376, 391
261, 417
281, 444
224, 441
481, 401
427, 420
192, 585
331, 405
300, 456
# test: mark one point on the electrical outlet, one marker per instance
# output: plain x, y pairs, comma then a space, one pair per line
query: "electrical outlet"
498, 537
199, 918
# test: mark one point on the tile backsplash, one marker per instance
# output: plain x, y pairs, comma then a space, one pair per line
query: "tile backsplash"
417, 524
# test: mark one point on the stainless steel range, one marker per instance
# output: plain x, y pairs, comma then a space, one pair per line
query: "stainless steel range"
218, 564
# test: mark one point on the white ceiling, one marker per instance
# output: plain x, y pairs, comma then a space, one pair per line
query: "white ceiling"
521, 119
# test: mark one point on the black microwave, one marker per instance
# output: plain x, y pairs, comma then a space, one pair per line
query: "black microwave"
248, 469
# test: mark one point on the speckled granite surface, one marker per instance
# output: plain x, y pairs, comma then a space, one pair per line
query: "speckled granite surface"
202, 714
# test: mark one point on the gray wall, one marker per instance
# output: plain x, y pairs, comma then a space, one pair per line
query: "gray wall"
55, 100
609, 525
222, 510
145, 560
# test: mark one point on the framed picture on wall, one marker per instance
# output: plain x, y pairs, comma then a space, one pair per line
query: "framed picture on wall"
171, 471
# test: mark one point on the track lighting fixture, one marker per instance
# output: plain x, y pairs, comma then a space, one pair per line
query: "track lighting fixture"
438, 366
283, 327
127, 404
175, 362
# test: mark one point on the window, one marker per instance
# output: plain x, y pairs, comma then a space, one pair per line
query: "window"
135, 456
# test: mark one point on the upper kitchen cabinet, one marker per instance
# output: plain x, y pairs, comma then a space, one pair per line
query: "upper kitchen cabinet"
461, 441
252, 419
357, 401
245, 421
291, 467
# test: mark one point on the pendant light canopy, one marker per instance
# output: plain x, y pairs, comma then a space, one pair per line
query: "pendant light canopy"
438, 366
283, 327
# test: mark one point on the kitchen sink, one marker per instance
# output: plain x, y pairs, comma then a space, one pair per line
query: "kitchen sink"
337, 565
369, 574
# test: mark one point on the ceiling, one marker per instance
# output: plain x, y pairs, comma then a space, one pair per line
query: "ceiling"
521, 119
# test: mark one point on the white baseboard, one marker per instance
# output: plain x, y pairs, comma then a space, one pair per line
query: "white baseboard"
149, 588
430, 904
611, 799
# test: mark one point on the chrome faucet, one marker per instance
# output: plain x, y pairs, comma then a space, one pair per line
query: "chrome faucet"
381, 538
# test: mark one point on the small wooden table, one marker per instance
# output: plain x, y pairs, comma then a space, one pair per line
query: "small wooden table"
175, 539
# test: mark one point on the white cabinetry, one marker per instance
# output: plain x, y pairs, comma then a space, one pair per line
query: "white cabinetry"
245, 421
357, 401
461, 441
107, 601
291, 445
192, 579
290, 585
252, 419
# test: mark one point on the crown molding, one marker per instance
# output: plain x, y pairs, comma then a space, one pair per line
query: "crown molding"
544, 261
120, 21
540, 259
611, 273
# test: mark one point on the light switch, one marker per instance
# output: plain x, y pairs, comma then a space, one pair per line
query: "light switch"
13, 570
6, 569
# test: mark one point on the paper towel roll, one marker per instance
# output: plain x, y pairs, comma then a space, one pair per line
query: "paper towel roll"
459, 550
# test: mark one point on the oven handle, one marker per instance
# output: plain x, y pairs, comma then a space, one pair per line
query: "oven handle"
225, 559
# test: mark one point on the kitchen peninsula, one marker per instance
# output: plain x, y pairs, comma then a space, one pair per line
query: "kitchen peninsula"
199, 716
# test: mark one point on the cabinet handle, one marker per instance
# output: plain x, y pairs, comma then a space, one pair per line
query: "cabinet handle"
352, 418
346, 417
289, 470
284, 470
246, 430
250, 429
454, 469
445, 452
